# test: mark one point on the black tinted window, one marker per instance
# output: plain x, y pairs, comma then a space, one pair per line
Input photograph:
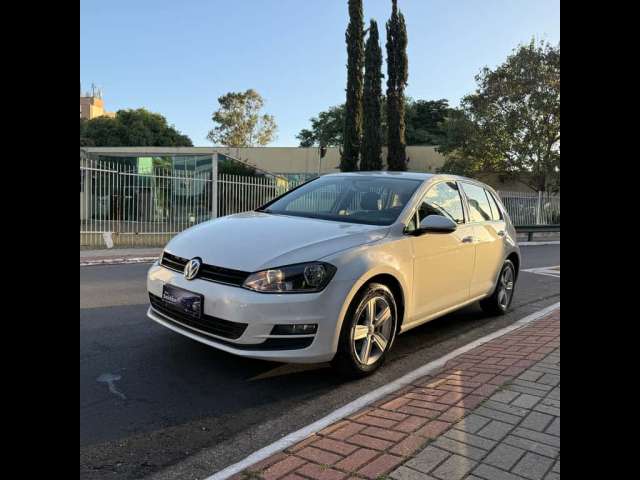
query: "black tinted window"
353, 198
479, 209
443, 199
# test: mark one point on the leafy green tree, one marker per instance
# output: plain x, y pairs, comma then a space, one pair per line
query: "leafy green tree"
131, 128
326, 129
353, 107
233, 167
84, 140
425, 124
511, 124
424, 121
397, 76
240, 123
371, 155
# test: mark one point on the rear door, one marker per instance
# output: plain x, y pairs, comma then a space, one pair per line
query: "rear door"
443, 262
488, 231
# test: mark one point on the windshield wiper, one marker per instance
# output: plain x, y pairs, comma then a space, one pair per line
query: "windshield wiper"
268, 210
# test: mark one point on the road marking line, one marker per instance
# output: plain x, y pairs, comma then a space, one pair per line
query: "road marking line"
548, 271
546, 274
369, 398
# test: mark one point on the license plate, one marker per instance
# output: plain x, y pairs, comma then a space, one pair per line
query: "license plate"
183, 300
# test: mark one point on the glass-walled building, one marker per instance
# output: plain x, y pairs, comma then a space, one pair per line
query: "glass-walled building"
146, 164
151, 160
148, 194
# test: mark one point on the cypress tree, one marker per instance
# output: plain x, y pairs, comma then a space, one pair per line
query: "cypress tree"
397, 76
372, 105
353, 108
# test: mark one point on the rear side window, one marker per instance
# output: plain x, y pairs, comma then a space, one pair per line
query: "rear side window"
496, 214
479, 208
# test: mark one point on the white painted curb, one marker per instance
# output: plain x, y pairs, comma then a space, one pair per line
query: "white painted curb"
118, 261
369, 398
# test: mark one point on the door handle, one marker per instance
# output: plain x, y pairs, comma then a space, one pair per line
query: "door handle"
501, 233
468, 239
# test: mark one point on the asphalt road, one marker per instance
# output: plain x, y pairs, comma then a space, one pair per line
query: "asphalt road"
154, 404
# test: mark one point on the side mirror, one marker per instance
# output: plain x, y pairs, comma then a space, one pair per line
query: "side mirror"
435, 224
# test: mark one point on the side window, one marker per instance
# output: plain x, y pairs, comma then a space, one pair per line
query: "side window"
442, 199
479, 209
496, 214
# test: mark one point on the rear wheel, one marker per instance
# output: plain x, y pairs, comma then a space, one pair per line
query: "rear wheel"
367, 332
500, 300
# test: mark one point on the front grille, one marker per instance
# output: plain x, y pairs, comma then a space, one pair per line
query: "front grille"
173, 262
207, 272
222, 275
206, 323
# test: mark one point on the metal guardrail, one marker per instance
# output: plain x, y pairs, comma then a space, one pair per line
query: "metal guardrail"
531, 229
532, 208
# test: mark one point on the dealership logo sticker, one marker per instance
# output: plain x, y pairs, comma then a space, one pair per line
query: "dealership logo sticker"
191, 268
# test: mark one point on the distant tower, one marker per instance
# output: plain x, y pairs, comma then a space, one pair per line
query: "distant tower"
92, 105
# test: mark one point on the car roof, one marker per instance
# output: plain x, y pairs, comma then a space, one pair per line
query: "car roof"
408, 175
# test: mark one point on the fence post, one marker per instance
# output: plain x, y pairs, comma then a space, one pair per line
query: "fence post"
214, 185
539, 209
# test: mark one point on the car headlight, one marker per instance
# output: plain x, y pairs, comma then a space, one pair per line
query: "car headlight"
299, 278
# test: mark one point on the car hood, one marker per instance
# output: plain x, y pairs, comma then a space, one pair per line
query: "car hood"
254, 241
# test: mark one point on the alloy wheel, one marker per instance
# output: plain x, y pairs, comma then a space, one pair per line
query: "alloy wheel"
506, 287
373, 330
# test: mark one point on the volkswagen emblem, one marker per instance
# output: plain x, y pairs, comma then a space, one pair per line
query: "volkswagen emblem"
191, 268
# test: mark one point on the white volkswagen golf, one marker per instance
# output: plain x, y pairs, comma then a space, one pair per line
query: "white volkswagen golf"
336, 268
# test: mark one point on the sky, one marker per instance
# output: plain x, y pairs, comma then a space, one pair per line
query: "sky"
177, 57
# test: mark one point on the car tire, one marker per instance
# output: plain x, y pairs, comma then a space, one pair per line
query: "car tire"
363, 343
500, 300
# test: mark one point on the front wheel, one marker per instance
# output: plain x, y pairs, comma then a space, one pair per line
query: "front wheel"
367, 332
499, 301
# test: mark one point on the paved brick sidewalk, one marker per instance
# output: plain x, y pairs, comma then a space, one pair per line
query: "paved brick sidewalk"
490, 413
515, 434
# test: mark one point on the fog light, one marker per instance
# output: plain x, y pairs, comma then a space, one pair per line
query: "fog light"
295, 329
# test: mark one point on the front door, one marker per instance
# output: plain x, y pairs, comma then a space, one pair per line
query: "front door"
443, 262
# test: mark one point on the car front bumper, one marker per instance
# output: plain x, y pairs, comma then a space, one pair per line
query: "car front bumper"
260, 311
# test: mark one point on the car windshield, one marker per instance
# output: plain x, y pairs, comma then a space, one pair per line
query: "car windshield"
353, 199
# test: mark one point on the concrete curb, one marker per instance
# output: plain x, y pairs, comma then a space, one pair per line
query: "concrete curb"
117, 261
